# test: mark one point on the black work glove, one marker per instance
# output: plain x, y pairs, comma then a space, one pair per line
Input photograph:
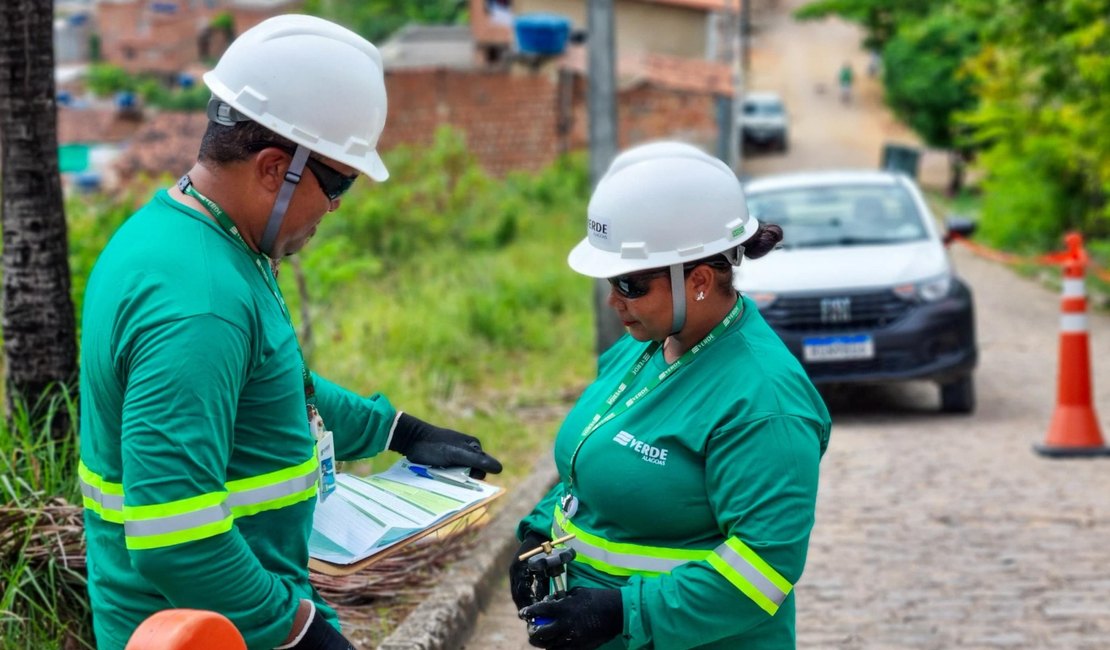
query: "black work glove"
320, 635
585, 619
520, 580
428, 444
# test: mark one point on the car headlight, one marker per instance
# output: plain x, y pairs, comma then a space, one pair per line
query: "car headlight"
929, 290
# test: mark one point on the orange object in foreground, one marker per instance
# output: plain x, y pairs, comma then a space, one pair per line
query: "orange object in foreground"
1074, 430
186, 629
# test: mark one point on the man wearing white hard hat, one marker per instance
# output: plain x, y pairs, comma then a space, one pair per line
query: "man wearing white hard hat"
203, 433
689, 467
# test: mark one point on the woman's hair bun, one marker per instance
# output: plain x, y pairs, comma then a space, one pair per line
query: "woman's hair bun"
766, 237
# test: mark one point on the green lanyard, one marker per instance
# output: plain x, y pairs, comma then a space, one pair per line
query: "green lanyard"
606, 412
262, 263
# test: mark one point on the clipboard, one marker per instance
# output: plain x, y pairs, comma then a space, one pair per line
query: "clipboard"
473, 515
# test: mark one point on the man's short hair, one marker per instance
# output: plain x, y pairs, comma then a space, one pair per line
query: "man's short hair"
227, 144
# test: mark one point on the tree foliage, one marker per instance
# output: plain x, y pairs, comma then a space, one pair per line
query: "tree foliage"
105, 80
377, 19
880, 19
1043, 118
922, 76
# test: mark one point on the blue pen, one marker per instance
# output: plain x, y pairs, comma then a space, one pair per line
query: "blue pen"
442, 477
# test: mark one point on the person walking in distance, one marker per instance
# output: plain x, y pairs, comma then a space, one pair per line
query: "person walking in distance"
204, 436
688, 469
845, 77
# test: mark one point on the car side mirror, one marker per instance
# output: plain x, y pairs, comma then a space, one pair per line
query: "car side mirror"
956, 226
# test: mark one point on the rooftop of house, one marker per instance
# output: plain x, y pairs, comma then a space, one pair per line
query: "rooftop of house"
672, 72
429, 46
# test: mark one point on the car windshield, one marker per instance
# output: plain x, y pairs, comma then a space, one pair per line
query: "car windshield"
814, 217
752, 108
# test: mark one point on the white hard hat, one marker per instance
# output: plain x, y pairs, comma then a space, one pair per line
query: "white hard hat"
658, 205
309, 80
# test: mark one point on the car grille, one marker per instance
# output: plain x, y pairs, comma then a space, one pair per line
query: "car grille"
868, 311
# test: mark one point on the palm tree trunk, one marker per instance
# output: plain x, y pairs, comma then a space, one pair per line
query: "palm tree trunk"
38, 318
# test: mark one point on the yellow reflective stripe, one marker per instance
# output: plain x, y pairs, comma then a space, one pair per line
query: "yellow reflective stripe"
621, 558
274, 504
100, 496
201, 516
176, 522
114, 516
97, 481
179, 537
749, 573
273, 490
768, 571
178, 507
270, 478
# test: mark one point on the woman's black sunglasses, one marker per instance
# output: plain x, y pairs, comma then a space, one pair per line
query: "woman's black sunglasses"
637, 285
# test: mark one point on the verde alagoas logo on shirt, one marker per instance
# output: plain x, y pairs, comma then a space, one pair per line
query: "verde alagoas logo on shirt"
648, 453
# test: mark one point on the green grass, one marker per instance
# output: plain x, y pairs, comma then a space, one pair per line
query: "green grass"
43, 604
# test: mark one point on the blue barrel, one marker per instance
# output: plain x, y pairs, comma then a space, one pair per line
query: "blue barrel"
125, 99
540, 33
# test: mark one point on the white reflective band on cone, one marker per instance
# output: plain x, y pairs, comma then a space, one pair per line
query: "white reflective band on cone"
1073, 323
1074, 288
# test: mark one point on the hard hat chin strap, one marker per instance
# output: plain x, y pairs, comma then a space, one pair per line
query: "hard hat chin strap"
281, 204
678, 298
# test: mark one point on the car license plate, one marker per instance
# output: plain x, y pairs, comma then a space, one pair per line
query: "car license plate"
837, 348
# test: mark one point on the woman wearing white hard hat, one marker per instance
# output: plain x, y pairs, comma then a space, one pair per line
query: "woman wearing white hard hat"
205, 440
689, 467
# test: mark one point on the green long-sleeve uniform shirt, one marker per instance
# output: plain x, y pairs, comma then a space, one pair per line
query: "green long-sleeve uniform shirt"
197, 463
698, 501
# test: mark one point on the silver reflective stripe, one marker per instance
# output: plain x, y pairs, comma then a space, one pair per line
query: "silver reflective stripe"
751, 574
1074, 288
176, 523
628, 561
271, 492
106, 501
1072, 323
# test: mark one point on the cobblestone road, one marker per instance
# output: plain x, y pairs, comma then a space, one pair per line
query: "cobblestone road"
933, 532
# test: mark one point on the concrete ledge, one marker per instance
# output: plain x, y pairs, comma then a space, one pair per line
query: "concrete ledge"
446, 617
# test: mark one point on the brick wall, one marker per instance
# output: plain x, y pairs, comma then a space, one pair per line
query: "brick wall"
509, 120
646, 112
650, 113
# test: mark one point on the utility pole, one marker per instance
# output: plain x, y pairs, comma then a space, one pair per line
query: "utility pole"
739, 67
602, 106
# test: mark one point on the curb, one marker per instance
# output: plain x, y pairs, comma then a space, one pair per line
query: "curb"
446, 617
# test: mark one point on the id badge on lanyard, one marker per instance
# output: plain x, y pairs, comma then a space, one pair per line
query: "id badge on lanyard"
325, 452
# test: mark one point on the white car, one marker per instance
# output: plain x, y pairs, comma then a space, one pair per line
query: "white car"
863, 289
763, 121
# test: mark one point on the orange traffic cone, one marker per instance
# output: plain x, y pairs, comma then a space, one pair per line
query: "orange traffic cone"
1074, 430
186, 629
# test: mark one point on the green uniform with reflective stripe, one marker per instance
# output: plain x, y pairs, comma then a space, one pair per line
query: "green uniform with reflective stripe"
198, 467
698, 501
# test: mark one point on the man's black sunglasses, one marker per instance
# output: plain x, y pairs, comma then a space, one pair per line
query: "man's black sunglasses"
333, 182
637, 285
